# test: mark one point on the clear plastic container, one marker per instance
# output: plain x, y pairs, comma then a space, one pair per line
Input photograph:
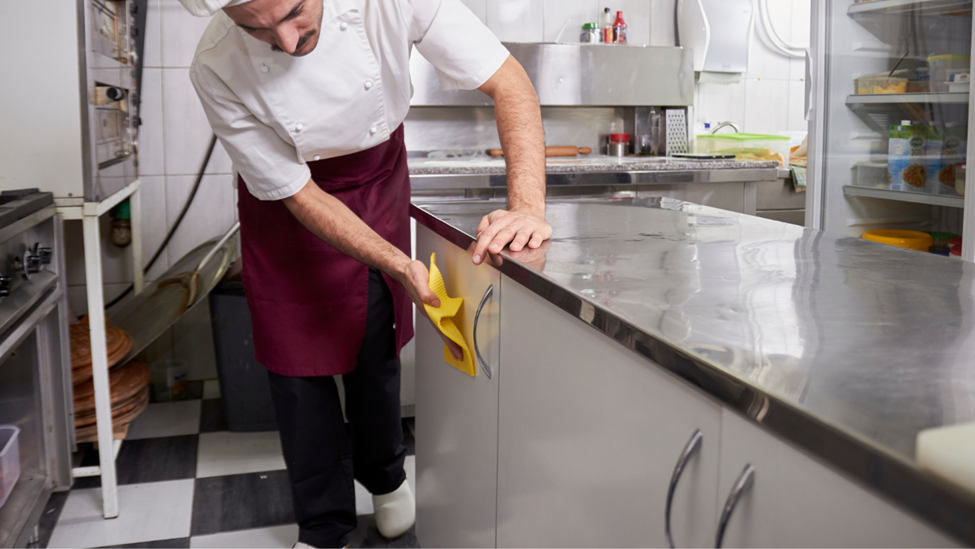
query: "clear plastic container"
746, 146
941, 64
9, 460
872, 174
880, 84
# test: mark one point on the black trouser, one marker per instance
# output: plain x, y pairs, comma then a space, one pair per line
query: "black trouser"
321, 461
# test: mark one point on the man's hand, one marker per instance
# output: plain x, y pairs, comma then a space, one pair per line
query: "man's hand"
416, 280
501, 227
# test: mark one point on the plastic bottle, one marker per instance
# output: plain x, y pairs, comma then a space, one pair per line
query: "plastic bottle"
607, 26
619, 29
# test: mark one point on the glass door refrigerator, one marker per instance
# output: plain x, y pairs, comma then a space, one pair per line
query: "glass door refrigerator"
889, 101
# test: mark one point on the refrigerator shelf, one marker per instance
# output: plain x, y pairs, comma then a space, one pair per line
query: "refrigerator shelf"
883, 7
905, 196
960, 98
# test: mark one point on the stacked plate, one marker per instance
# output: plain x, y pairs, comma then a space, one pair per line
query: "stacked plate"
129, 384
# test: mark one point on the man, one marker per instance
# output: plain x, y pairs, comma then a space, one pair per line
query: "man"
308, 98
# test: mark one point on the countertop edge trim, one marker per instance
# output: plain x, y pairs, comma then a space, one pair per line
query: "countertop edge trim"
895, 479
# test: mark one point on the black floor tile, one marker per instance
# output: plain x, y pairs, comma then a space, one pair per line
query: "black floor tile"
408, 439
211, 416
45, 527
149, 460
182, 543
367, 535
241, 502
194, 390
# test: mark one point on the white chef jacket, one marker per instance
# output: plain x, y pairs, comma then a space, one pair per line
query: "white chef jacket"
274, 112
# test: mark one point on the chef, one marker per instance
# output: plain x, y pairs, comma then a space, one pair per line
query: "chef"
308, 97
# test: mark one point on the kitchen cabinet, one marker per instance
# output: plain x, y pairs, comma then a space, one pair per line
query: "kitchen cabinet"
457, 415
590, 434
795, 501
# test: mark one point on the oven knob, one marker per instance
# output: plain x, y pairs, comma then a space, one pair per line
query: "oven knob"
5, 283
44, 254
21, 267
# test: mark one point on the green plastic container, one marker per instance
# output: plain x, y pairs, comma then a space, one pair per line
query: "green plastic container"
746, 146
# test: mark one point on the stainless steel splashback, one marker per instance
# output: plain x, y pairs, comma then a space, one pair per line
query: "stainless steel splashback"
579, 75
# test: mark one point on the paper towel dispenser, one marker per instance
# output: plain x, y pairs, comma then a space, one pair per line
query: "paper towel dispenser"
717, 31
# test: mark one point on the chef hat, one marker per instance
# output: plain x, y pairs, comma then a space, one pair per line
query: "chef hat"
206, 8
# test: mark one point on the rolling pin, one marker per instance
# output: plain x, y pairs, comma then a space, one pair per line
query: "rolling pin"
552, 151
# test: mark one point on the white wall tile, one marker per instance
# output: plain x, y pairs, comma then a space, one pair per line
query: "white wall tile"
78, 297
662, 22
152, 151
479, 7
116, 262
152, 54
797, 105
155, 223
636, 13
516, 20
721, 102
187, 131
801, 26
766, 106
210, 215
763, 62
181, 33
571, 13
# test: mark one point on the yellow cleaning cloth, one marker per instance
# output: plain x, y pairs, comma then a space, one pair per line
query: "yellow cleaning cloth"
442, 318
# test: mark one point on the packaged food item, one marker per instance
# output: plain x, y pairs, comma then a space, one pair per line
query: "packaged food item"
958, 81
953, 152
872, 174
881, 83
960, 179
941, 64
607, 26
955, 244
590, 34
932, 157
746, 146
941, 243
906, 157
619, 29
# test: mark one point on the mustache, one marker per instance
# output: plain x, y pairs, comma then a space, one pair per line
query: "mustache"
301, 41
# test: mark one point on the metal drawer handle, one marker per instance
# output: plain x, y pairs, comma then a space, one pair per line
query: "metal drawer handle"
744, 481
692, 446
477, 316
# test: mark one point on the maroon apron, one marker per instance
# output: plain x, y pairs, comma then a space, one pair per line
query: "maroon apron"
308, 300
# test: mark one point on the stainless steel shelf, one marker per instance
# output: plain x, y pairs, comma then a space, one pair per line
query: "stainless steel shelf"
898, 98
905, 196
948, 7
23, 508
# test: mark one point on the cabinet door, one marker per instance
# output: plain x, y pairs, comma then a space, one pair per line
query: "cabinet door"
456, 414
795, 501
590, 434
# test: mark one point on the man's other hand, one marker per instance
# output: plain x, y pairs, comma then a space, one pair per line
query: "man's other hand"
502, 227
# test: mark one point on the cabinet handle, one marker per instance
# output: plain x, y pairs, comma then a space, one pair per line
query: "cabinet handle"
477, 316
692, 446
744, 481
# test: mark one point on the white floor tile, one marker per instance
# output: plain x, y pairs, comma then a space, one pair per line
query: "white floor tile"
153, 511
211, 389
167, 419
275, 536
363, 499
226, 453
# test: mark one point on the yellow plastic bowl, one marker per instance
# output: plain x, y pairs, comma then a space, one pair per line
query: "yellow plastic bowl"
903, 239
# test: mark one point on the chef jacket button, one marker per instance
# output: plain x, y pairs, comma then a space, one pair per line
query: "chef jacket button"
264, 68
373, 129
344, 25
368, 85
298, 127
317, 157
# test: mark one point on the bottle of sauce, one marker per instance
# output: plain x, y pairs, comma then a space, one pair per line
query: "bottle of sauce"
607, 27
619, 29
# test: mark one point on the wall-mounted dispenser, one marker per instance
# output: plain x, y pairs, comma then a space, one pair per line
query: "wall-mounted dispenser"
718, 32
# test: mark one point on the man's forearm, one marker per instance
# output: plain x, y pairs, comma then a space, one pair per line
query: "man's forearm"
330, 219
522, 137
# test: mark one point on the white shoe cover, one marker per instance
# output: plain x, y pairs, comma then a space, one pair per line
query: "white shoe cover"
395, 512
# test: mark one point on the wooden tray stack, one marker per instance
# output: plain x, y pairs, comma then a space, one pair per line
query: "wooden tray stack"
129, 384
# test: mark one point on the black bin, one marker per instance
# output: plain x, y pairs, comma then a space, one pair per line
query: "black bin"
244, 388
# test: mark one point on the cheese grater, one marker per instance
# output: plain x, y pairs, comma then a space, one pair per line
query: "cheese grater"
676, 131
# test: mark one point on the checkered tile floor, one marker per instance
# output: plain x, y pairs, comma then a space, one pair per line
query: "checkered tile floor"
185, 481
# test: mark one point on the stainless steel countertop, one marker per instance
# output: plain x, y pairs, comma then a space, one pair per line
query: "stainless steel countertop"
845, 348
595, 170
